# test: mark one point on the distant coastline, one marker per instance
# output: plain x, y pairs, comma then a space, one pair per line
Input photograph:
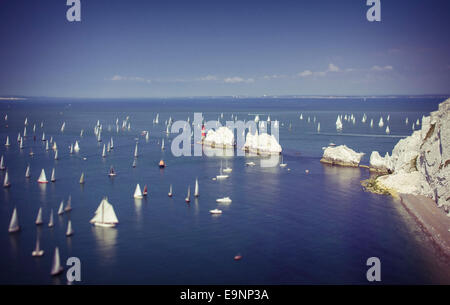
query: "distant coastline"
12, 98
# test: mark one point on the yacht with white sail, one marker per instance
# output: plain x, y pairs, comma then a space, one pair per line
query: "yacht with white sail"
105, 215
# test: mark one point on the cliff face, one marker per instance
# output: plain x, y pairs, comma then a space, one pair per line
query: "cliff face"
420, 163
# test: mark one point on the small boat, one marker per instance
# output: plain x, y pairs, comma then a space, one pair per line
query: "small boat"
105, 215
39, 217
237, 257
332, 144
6, 182
224, 200
31, 152
388, 131
215, 211
227, 169
14, 223
104, 151
170, 194
42, 177
111, 143
221, 175
112, 173
134, 163
7, 142
76, 147
282, 164
162, 164
37, 251
82, 178
318, 127
251, 163
50, 222
136, 151
61, 208
338, 123
43, 137
145, 191
69, 231
196, 191
381, 123
68, 207
162, 144
56, 264
137, 192
53, 177
56, 154
188, 196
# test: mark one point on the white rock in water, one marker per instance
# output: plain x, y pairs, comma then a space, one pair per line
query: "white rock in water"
262, 143
341, 155
379, 163
421, 162
223, 136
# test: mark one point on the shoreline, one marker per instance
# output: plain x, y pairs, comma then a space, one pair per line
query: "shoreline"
430, 218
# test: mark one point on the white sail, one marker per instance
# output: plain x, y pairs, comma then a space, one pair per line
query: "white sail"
413, 126
417, 122
7, 141
338, 123
104, 215
47, 148
136, 151
196, 192
381, 123
69, 231
111, 143
82, 178
137, 192
42, 177
2, 163
21, 143
6, 182
56, 155
170, 191
39, 217
318, 127
76, 147
43, 136
53, 178
104, 151
71, 149
162, 144
61, 208
371, 123
406, 121
68, 207
188, 196
50, 222
28, 172
388, 131
63, 126
14, 223
55, 147
56, 264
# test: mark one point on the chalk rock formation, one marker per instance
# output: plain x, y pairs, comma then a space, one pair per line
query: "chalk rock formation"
262, 144
222, 137
420, 163
341, 155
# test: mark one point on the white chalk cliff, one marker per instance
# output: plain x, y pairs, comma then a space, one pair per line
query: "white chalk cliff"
262, 144
341, 155
420, 163
222, 137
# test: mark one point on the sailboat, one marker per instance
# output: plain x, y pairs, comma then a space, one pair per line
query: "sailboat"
170, 194
55, 147
338, 123
371, 123
43, 137
381, 123
68, 207
145, 192
47, 148
104, 151
56, 155
28, 172
6, 182
56, 264
162, 144
39, 217
63, 126
318, 127
406, 121
69, 231
53, 177
61, 208
105, 215
188, 196
137, 192
221, 175
227, 169
215, 211
14, 223
196, 191
388, 131
37, 251
2, 164
224, 200
21, 145
7, 142
82, 178
71, 149
134, 163
76, 147
50, 222
136, 151
42, 177
111, 144
112, 173
282, 164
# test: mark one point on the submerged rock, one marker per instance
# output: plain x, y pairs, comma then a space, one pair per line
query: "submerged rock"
341, 155
420, 163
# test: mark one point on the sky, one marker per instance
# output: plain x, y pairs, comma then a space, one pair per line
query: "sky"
133, 48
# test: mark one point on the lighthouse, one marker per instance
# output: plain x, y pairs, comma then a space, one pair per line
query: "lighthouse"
203, 131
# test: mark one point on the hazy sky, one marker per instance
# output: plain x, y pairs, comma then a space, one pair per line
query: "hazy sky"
132, 48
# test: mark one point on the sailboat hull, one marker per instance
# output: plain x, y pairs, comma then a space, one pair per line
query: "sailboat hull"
14, 230
37, 253
104, 225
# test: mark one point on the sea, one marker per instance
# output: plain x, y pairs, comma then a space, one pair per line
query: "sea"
306, 223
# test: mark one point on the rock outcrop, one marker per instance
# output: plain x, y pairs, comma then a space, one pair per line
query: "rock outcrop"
341, 155
262, 144
222, 137
420, 163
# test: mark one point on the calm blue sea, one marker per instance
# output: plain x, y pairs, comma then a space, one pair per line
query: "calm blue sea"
289, 226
